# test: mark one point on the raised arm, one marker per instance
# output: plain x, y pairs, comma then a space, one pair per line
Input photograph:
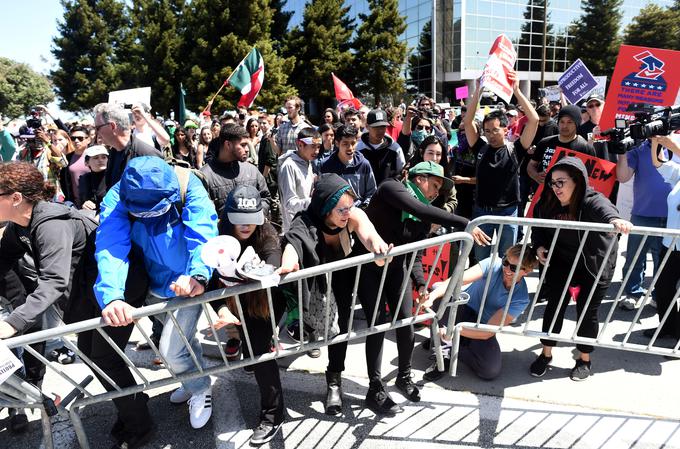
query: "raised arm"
471, 132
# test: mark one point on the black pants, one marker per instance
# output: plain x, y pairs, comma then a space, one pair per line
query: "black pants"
556, 277
666, 287
342, 285
132, 409
266, 373
368, 291
483, 357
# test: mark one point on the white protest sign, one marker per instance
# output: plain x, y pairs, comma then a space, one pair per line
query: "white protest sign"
502, 57
8, 362
601, 86
552, 93
131, 96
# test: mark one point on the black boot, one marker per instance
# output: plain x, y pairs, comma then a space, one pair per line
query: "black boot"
380, 401
407, 387
333, 393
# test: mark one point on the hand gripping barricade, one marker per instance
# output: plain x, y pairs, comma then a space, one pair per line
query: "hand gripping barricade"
19, 394
603, 339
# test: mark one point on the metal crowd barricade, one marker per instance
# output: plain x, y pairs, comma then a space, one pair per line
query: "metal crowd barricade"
454, 330
19, 394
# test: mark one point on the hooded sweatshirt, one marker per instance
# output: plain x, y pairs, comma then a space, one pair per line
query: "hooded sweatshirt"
595, 208
357, 173
386, 159
296, 178
142, 211
61, 241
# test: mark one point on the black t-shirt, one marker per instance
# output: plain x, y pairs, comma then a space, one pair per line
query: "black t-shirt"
545, 149
497, 174
586, 128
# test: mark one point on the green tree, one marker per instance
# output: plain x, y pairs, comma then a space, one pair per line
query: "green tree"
92, 36
596, 35
656, 27
420, 62
321, 45
380, 53
157, 51
280, 22
213, 55
21, 87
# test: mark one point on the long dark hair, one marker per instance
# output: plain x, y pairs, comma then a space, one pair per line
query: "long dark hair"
188, 144
550, 205
264, 240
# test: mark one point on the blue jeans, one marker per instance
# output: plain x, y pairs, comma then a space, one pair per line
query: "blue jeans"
174, 351
507, 237
637, 276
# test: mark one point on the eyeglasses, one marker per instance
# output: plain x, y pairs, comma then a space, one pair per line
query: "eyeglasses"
559, 183
423, 128
344, 210
98, 127
512, 267
78, 138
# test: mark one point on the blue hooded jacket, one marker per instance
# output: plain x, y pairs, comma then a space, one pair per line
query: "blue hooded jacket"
142, 210
358, 174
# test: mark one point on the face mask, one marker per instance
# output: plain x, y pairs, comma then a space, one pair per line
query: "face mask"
417, 136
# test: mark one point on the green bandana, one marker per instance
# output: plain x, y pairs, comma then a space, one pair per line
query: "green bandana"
417, 194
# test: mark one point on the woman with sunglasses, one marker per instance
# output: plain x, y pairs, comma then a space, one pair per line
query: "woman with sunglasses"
479, 350
322, 234
415, 129
568, 196
183, 148
70, 177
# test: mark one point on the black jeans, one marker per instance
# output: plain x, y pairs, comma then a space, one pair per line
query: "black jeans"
368, 291
483, 357
266, 373
555, 279
342, 285
666, 287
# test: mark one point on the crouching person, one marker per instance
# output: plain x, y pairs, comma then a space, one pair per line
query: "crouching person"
479, 350
165, 220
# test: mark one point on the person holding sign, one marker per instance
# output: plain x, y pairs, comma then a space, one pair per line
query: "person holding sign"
497, 176
666, 285
568, 196
568, 121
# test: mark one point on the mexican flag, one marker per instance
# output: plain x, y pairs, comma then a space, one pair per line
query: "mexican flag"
248, 77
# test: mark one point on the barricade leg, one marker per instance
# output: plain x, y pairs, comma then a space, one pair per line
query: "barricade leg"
47, 429
74, 414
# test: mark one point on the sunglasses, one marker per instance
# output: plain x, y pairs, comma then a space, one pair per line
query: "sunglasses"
78, 138
98, 127
559, 183
512, 267
423, 128
590, 106
343, 210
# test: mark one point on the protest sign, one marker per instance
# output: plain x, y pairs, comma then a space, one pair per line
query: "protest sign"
601, 174
502, 57
576, 81
552, 93
441, 269
601, 87
641, 75
461, 92
131, 96
8, 362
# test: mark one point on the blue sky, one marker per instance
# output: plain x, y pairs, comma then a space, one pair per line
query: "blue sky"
27, 29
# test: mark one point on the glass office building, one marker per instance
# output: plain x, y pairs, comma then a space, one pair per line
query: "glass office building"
464, 30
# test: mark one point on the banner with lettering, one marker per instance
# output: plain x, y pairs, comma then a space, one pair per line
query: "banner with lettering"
502, 57
601, 174
576, 81
641, 75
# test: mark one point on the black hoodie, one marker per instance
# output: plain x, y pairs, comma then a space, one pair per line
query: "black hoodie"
595, 208
61, 241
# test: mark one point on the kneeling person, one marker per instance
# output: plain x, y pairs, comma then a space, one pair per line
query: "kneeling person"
479, 349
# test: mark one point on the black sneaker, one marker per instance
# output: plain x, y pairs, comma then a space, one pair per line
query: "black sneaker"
18, 422
381, 403
540, 366
264, 433
581, 371
432, 374
407, 387
293, 330
133, 441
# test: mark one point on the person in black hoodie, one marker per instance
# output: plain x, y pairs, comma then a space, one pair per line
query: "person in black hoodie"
62, 242
323, 234
569, 197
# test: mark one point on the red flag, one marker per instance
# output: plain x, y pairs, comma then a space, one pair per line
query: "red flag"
342, 92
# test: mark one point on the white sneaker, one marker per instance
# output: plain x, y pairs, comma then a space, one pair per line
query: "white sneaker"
200, 408
180, 396
628, 303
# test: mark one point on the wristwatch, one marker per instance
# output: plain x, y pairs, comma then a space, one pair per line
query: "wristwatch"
200, 279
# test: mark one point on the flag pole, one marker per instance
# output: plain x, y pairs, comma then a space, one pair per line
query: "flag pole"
226, 82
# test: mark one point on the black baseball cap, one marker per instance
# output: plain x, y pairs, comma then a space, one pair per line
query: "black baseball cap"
376, 118
244, 206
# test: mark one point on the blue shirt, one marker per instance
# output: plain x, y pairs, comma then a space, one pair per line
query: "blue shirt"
650, 190
498, 294
671, 173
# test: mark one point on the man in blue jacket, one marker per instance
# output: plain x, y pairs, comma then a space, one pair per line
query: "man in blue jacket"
351, 165
166, 219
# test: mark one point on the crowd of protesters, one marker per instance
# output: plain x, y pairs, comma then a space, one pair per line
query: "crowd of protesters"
101, 218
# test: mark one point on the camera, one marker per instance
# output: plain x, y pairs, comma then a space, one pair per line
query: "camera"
650, 121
